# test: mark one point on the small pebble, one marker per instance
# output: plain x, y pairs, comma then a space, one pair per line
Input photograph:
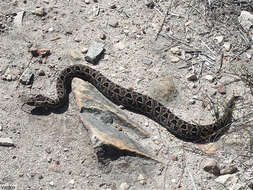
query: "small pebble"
72, 182
230, 170
7, 77
113, 6
174, 158
222, 89
113, 23
51, 29
40, 11
211, 166
174, 59
87, 1
75, 54
51, 183
150, 4
227, 46
175, 50
193, 85
48, 150
40, 176
142, 179
102, 36
49, 160
210, 78
1, 128
124, 186
219, 39
192, 77
192, 101
41, 72
6, 142
148, 62
84, 50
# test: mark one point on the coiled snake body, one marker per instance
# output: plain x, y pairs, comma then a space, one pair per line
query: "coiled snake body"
137, 103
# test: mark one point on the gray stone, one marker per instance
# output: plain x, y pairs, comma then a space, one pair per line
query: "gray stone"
26, 77
94, 52
246, 20
6, 142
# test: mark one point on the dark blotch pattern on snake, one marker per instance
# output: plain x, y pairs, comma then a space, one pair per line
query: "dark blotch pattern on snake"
138, 103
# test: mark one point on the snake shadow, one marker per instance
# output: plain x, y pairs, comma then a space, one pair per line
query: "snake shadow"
47, 110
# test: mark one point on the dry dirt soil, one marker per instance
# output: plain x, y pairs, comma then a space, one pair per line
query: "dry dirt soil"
54, 151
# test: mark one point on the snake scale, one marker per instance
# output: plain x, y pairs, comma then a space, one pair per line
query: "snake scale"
135, 102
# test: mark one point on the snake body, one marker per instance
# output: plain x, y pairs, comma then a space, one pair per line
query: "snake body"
135, 102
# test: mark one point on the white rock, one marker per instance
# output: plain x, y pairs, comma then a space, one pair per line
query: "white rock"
227, 46
72, 182
175, 50
142, 179
210, 78
51, 29
174, 59
223, 179
219, 39
124, 186
192, 101
120, 45
51, 183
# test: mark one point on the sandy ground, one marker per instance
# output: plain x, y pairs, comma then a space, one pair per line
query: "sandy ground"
54, 152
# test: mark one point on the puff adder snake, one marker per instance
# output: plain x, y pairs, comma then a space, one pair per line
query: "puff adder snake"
135, 102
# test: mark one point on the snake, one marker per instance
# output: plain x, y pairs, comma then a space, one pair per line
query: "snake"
137, 103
